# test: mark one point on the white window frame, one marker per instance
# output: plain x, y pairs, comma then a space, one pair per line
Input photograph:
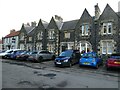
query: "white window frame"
107, 48
51, 34
30, 38
111, 28
67, 34
107, 27
85, 30
40, 35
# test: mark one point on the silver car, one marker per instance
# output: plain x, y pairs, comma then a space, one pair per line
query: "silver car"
40, 56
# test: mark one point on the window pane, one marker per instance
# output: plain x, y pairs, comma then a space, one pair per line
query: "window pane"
83, 31
104, 47
86, 29
105, 29
109, 28
109, 47
67, 35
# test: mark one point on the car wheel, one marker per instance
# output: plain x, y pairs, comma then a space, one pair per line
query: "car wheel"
40, 59
53, 57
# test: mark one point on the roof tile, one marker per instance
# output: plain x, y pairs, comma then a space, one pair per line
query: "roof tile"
12, 34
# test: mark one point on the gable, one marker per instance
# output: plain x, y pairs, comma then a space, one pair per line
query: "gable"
40, 25
22, 30
108, 13
86, 17
52, 24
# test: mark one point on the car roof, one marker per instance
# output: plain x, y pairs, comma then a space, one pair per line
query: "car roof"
90, 53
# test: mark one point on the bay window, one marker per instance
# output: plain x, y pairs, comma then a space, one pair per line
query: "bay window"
107, 47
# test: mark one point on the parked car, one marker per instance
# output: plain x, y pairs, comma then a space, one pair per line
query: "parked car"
67, 58
14, 54
113, 61
40, 56
90, 59
24, 55
3, 54
2, 51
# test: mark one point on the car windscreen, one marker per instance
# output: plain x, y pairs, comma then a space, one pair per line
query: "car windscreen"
34, 52
66, 54
9, 51
87, 55
115, 57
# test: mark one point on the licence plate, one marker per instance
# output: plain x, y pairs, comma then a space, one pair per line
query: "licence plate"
58, 62
86, 63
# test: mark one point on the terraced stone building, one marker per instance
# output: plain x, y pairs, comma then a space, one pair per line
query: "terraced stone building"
99, 33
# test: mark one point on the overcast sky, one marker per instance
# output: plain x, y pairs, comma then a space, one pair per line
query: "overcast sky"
15, 12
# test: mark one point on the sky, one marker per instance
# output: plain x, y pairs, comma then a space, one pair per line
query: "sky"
13, 13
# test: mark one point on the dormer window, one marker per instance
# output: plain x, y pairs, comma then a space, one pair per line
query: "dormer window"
107, 28
85, 30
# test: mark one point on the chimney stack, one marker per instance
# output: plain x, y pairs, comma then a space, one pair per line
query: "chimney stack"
33, 24
13, 30
58, 18
97, 12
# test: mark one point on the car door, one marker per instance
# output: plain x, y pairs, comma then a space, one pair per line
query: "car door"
43, 54
73, 58
49, 55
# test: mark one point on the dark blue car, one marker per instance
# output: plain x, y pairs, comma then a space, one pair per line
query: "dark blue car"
90, 59
67, 58
14, 54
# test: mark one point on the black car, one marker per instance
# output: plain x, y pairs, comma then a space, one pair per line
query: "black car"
68, 58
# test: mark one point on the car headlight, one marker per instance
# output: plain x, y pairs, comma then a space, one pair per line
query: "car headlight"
66, 60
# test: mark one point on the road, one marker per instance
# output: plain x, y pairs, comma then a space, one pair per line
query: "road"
19, 74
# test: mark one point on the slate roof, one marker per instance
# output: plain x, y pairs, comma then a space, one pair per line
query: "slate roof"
69, 25
108, 11
118, 13
31, 32
45, 24
28, 28
16, 33
85, 14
